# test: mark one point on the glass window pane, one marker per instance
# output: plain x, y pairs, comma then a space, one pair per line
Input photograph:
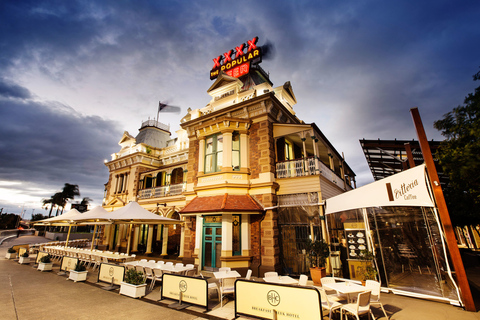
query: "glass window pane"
219, 160
236, 141
235, 160
209, 145
219, 142
218, 253
209, 163
208, 230
208, 254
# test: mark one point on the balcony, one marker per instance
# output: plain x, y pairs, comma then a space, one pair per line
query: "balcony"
306, 167
160, 192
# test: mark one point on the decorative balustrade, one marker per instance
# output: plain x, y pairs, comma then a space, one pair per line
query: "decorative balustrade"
306, 167
159, 192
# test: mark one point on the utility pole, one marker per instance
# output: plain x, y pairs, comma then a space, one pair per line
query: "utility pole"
466, 294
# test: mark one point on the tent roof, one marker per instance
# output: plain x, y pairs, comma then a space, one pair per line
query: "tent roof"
408, 188
63, 218
136, 214
97, 213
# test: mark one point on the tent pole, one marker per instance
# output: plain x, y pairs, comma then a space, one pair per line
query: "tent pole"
68, 235
93, 238
129, 239
452, 245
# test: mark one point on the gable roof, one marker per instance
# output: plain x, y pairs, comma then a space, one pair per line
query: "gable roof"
223, 79
222, 203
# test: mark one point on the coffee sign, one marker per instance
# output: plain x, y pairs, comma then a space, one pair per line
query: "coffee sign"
236, 62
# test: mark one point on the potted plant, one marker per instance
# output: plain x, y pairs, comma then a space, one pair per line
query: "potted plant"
79, 273
45, 263
11, 253
24, 259
317, 252
134, 284
368, 269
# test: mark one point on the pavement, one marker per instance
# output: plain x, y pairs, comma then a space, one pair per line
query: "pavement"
30, 294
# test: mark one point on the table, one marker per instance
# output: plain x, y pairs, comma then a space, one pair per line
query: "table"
281, 280
161, 266
226, 274
347, 288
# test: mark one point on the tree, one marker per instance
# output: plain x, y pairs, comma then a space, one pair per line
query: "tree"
86, 201
459, 157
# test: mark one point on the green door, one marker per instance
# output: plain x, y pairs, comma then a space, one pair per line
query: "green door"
212, 247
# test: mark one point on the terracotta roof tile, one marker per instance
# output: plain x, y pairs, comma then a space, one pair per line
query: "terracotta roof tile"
227, 202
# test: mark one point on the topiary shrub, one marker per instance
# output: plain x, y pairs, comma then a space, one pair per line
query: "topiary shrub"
134, 277
46, 259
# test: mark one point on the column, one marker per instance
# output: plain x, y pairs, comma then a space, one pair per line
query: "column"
116, 183
315, 152
106, 234
226, 235
305, 161
111, 245
182, 240
227, 151
201, 155
330, 157
165, 240
136, 234
149, 239
246, 239
243, 150
159, 232
120, 235
198, 240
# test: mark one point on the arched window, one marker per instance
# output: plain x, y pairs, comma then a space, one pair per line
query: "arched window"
177, 176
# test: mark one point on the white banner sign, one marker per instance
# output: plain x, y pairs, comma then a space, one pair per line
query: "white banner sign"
263, 300
193, 290
68, 263
108, 271
407, 188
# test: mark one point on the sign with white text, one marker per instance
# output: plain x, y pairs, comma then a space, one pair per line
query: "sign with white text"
263, 300
193, 290
108, 271
68, 263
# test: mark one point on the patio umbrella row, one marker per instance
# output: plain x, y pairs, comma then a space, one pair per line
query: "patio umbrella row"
130, 214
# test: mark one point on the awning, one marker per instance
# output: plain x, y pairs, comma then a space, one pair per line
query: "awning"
408, 188
222, 204
61, 220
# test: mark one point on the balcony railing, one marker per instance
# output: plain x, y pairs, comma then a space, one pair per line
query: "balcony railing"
159, 192
306, 167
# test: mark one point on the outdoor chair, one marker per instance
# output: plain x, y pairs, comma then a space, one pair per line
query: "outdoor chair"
177, 265
157, 276
104, 260
374, 287
271, 274
249, 275
149, 275
169, 263
303, 280
152, 261
227, 287
212, 286
361, 307
140, 269
98, 262
161, 262
330, 306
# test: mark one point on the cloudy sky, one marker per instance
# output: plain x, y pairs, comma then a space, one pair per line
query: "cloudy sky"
75, 74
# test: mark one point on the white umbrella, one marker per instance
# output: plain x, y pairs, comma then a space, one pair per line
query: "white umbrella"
133, 213
96, 216
61, 220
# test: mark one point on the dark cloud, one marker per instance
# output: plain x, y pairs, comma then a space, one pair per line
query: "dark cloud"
11, 90
47, 144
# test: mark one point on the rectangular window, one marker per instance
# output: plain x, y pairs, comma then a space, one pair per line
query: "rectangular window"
236, 235
213, 153
236, 151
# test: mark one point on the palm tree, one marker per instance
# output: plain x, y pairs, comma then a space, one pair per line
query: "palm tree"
86, 201
47, 202
58, 201
68, 193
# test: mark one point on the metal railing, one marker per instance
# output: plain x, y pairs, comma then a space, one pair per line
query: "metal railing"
163, 191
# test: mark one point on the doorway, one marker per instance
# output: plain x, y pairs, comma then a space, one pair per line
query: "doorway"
212, 246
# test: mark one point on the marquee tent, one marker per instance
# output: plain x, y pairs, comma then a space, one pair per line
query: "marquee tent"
395, 218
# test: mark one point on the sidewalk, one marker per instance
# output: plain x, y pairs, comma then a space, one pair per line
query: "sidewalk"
30, 294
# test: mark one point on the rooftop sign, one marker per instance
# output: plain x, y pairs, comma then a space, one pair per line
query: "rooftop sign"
236, 62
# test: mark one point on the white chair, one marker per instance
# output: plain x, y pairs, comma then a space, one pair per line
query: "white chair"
330, 306
271, 274
98, 262
227, 287
178, 265
149, 275
152, 261
374, 287
303, 280
361, 307
212, 286
169, 263
160, 262
192, 271
249, 275
143, 260
157, 276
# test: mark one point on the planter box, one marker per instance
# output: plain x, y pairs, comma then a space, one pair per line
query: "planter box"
132, 290
78, 275
24, 260
11, 255
317, 274
45, 266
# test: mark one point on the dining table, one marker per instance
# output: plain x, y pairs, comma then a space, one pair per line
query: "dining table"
162, 266
350, 289
281, 280
226, 274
